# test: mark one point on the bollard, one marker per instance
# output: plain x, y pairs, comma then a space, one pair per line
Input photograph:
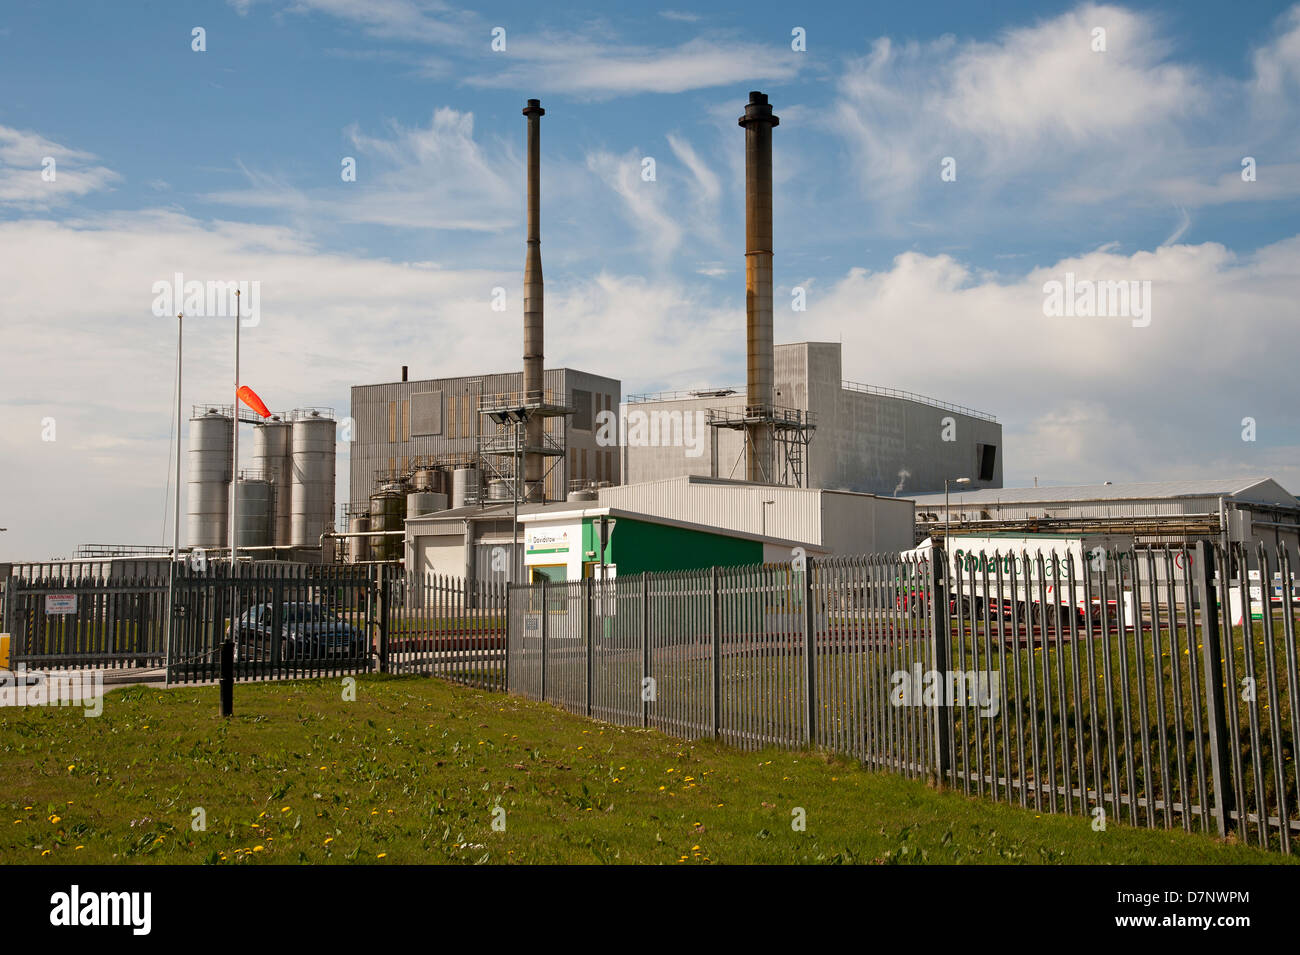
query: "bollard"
227, 678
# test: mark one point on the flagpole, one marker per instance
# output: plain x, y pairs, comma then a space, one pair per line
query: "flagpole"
176, 516
234, 444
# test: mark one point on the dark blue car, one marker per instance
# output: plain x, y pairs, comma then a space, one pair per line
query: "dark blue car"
308, 631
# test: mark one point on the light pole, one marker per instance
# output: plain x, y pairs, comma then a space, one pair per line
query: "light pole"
764, 510
234, 453
176, 517
947, 556
946, 482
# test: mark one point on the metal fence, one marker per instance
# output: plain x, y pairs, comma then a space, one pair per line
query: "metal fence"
285, 621
1159, 687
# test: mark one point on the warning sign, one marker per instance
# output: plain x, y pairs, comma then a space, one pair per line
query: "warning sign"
60, 603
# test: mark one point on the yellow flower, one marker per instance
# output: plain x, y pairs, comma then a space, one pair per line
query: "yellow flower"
381, 855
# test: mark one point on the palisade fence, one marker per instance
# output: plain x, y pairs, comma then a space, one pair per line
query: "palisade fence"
285, 621
1157, 686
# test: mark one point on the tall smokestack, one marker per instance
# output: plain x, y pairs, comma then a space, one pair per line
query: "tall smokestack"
533, 359
758, 122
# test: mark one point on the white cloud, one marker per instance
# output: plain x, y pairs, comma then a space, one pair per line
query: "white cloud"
601, 70
1036, 118
23, 156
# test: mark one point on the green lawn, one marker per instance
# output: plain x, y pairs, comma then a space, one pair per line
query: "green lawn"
413, 770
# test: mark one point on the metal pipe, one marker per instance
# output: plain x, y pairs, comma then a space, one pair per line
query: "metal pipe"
757, 123
533, 318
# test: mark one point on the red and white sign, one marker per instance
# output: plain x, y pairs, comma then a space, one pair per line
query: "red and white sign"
60, 603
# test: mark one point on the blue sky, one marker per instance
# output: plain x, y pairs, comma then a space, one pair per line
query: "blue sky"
1118, 164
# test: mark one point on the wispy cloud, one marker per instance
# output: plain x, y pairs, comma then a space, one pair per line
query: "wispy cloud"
28, 178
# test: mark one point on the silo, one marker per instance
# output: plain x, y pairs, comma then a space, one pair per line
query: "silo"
387, 513
419, 503
359, 547
430, 479
273, 456
209, 480
311, 489
464, 486
256, 513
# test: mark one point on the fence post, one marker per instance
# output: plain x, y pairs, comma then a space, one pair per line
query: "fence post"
227, 677
545, 614
645, 647
383, 617
715, 616
940, 643
505, 636
809, 651
1212, 673
589, 623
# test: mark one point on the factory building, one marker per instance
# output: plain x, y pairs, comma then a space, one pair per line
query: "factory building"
863, 438
1252, 509
678, 523
406, 426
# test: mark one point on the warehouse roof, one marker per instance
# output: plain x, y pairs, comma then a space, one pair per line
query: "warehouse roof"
1257, 489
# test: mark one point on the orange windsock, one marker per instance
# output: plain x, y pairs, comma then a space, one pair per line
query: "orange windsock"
249, 397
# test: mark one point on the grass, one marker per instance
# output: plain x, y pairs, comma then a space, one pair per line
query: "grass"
414, 770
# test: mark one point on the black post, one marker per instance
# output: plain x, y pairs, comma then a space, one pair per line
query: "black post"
1212, 674
227, 678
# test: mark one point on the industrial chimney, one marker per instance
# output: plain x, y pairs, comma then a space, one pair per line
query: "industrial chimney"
533, 346
757, 122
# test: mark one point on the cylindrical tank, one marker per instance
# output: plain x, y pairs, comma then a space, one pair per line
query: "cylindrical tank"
209, 480
498, 489
256, 514
419, 503
387, 513
430, 479
359, 547
312, 483
464, 486
585, 494
273, 456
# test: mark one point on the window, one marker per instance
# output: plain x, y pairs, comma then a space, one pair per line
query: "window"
581, 410
988, 455
426, 412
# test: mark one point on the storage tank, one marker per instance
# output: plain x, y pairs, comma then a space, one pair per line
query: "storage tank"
312, 482
273, 456
256, 513
464, 486
208, 518
419, 503
584, 494
387, 513
359, 547
430, 479
498, 489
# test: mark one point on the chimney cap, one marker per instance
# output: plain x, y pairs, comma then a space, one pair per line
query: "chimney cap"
534, 108
758, 110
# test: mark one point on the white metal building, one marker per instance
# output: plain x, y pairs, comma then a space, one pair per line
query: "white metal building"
1253, 509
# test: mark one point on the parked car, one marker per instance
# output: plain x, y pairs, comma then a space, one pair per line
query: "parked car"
308, 631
